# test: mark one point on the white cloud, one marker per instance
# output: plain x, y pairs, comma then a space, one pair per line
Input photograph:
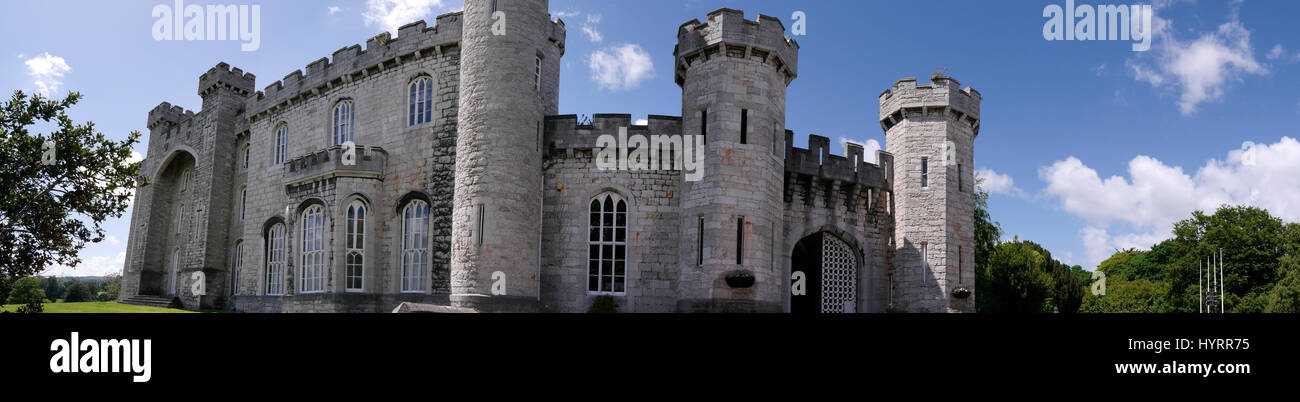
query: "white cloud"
392, 14
47, 72
642, 122
997, 183
1154, 196
620, 67
334, 10
96, 265
869, 148
589, 28
1277, 52
565, 14
1199, 69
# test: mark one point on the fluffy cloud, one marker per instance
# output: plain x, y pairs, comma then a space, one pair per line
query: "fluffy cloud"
97, 265
1154, 196
333, 10
869, 148
47, 72
1200, 69
589, 28
1277, 52
996, 183
392, 14
620, 67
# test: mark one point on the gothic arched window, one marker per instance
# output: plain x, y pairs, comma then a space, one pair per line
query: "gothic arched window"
415, 245
343, 119
312, 279
355, 243
275, 260
607, 244
421, 104
281, 143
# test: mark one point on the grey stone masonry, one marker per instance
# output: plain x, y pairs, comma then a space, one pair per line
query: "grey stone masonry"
431, 171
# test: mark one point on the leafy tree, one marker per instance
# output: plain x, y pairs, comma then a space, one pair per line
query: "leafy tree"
54, 288
28, 292
1128, 296
1017, 281
4, 288
44, 201
112, 288
77, 292
1067, 289
987, 233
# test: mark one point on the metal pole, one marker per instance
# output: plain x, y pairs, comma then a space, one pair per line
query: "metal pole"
1223, 296
1200, 290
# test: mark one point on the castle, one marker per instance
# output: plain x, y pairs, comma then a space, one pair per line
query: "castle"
433, 168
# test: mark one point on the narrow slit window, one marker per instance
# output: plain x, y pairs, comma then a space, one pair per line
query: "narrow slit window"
480, 216
744, 126
961, 186
699, 244
704, 124
925, 172
740, 240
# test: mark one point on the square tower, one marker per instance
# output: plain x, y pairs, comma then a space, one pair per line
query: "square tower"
931, 130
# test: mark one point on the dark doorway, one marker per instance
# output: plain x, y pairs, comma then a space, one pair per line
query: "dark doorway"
807, 258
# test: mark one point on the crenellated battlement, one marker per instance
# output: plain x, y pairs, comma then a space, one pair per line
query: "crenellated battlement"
414, 41
727, 33
166, 114
224, 76
566, 132
557, 34
943, 96
818, 161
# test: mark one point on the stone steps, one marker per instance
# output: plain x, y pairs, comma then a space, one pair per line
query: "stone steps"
148, 301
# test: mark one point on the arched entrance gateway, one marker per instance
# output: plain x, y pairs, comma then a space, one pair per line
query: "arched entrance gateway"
830, 278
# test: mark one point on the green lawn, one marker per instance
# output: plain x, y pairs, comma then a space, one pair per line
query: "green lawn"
97, 307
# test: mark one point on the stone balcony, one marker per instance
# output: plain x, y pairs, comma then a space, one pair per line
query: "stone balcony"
369, 162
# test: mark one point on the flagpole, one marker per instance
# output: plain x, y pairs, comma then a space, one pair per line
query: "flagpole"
1200, 290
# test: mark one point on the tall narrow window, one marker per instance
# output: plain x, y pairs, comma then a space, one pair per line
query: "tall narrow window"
744, 126
313, 250
740, 240
704, 124
537, 73
421, 105
415, 245
243, 203
187, 178
480, 224
180, 218
355, 240
236, 265
275, 260
281, 143
925, 172
607, 244
175, 271
245, 164
925, 262
960, 259
343, 119
960, 179
699, 243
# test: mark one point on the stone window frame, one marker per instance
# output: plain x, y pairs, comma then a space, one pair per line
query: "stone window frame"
243, 202
180, 217
247, 150
280, 145
274, 242
420, 111
236, 265
354, 244
314, 220
413, 277
174, 272
616, 200
349, 107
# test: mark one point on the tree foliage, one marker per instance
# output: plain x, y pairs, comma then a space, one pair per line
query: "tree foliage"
77, 292
28, 292
44, 207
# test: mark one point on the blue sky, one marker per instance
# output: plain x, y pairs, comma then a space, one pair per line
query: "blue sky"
1088, 146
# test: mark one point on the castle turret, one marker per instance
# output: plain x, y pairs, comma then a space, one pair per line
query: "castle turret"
931, 130
733, 73
509, 80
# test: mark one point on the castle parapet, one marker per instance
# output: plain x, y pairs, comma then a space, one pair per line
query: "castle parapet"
224, 76
942, 96
368, 162
413, 41
165, 114
726, 32
817, 161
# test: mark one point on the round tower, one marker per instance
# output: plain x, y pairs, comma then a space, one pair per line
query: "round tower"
931, 129
509, 80
733, 73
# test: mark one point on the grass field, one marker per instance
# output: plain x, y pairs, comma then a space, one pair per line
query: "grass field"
97, 307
